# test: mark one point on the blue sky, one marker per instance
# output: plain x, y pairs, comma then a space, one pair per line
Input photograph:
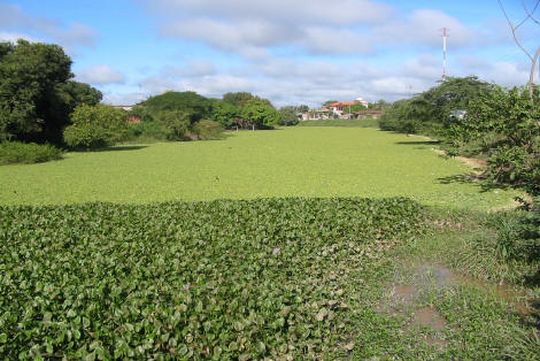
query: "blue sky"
293, 51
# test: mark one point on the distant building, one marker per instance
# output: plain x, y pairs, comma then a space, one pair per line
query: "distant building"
361, 101
337, 110
124, 107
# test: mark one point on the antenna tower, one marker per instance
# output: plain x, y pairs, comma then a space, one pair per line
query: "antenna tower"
445, 42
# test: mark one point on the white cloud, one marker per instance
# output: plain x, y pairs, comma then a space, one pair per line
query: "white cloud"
423, 27
101, 75
13, 20
283, 11
14, 36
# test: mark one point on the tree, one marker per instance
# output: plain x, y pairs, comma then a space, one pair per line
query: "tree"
65, 98
195, 106
259, 114
177, 123
354, 108
430, 112
289, 115
328, 102
36, 95
514, 27
225, 113
241, 99
96, 126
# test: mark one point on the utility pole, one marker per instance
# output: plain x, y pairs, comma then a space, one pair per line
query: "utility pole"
445, 41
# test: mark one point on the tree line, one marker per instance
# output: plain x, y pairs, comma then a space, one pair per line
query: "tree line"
474, 118
40, 102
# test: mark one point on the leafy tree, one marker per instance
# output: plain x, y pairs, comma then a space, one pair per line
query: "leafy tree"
36, 95
208, 130
225, 113
354, 108
507, 123
328, 102
195, 106
259, 114
289, 115
430, 112
175, 122
241, 99
96, 126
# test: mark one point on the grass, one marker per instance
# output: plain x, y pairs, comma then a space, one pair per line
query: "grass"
307, 162
476, 311
357, 123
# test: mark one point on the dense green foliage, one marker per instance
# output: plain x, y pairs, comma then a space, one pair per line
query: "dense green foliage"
289, 114
225, 113
176, 115
175, 123
431, 111
260, 114
221, 280
17, 152
36, 93
484, 120
208, 130
95, 127
505, 125
195, 106
241, 99
293, 161
354, 108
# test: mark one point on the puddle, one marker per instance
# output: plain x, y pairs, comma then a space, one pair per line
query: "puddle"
429, 317
403, 296
403, 293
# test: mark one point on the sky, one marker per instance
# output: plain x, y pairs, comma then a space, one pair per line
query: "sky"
290, 51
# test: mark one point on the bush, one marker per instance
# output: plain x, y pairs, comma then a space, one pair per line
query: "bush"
519, 234
95, 127
147, 130
208, 129
16, 152
175, 123
228, 280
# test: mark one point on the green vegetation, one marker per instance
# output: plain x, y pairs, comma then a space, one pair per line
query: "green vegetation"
275, 278
431, 112
484, 120
294, 161
357, 123
289, 114
208, 130
36, 93
448, 296
221, 280
16, 152
96, 127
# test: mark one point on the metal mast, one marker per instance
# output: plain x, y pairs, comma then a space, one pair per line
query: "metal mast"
445, 41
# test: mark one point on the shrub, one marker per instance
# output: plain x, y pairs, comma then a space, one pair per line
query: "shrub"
519, 234
223, 280
208, 129
16, 152
147, 130
95, 127
175, 123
